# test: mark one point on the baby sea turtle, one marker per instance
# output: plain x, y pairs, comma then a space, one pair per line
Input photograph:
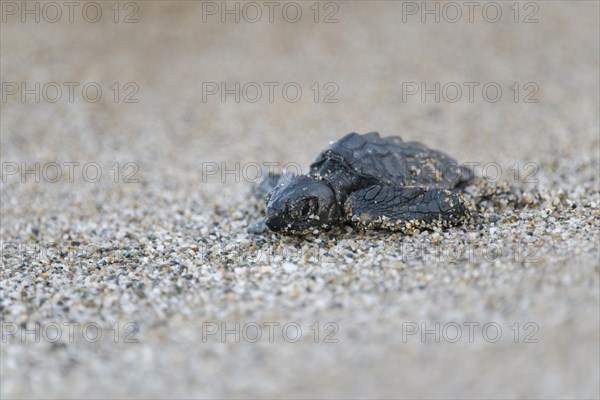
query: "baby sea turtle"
370, 182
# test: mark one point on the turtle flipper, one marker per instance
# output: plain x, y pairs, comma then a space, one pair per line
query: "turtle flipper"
262, 191
269, 181
404, 208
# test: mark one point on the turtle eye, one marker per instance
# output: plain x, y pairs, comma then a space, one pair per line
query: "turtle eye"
303, 209
310, 206
306, 209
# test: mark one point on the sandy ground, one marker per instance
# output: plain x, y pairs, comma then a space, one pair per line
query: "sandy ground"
154, 253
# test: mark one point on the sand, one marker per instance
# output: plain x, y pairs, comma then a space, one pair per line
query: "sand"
132, 273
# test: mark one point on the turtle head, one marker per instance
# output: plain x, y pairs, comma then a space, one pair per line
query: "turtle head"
303, 204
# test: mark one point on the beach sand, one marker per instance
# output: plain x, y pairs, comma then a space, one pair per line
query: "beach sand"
138, 253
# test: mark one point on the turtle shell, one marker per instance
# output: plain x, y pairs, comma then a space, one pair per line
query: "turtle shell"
390, 161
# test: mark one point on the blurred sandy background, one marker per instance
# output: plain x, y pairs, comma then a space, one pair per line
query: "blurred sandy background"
370, 292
